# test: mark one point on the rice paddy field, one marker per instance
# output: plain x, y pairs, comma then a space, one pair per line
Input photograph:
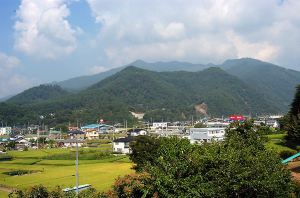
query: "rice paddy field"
100, 173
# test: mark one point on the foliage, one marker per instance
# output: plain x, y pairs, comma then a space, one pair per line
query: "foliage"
144, 150
291, 121
5, 156
200, 125
239, 167
38, 94
40, 191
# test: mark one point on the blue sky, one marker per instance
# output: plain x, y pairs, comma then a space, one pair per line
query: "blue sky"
54, 40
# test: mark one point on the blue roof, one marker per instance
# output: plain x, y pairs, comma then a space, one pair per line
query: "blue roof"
92, 126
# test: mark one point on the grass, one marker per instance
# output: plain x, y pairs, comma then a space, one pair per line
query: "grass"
100, 173
277, 137
278, 145
101, 176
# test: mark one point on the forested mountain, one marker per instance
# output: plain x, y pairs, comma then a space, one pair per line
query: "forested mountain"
38, 94
80, 83
276, 83
167, 96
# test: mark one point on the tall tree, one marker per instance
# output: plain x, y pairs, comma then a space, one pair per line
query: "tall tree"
291, 121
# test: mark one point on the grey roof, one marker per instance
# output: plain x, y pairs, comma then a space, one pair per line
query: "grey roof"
76, 132
72, 141
127, 139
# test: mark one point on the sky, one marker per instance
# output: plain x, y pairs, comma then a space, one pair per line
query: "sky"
42, 41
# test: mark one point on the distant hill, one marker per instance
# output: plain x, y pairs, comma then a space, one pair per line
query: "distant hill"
80, 83
6, 98
165, 96
38, 94
276, 83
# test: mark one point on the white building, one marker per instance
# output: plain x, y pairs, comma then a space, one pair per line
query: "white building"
5, 130
160, 125
122, 144
201, 135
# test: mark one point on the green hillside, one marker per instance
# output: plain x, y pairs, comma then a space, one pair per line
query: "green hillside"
276, 83
165, 96
38, 94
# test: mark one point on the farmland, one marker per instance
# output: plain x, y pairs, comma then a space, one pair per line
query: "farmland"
100, 173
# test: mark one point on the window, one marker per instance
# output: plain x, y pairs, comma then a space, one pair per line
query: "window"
116, 143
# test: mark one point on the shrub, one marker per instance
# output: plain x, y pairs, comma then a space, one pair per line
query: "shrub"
287, 153
25, 148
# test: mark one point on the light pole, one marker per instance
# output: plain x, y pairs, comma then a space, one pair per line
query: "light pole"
75, 141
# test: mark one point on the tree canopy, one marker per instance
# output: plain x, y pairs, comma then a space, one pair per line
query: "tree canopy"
239, 167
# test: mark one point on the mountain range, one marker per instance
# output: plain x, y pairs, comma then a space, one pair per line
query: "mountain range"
167, 91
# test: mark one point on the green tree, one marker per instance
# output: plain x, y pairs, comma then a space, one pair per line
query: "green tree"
200, 125
144, 150
239, 167
291, 121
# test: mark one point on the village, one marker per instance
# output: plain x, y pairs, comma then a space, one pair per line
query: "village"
15, 138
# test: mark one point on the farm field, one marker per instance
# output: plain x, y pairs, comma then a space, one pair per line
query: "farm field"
100, 173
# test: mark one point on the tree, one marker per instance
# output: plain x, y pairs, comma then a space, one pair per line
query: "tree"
144, 150
239, 167
291, 121
200, 125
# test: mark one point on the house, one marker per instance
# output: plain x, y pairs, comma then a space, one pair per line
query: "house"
206, 134
71, 143
136, 132
5, 130
160, 125
272, 123
122, 144
55, 135
91, 134
76, 134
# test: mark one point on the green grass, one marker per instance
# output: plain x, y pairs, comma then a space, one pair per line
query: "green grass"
100, 173
22, 161
278, 146
101, 176
3, 194
277, 137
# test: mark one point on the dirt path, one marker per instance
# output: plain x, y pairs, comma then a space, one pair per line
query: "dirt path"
295, 169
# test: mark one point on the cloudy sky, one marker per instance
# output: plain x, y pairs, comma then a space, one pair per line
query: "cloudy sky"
42, 41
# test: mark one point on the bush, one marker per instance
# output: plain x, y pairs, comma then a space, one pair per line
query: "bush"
25, 148
287, 153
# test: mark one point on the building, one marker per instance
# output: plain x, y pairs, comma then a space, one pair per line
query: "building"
272, 123
91, 134
55, 135
76, 134
201, 135
5, 130
160, 125
136, 132
122, 144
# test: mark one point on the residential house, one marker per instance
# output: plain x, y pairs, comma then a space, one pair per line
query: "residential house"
272, 123
136, 132
5, 130
201, 135
55, 135
91, 134
122, 144
76, 134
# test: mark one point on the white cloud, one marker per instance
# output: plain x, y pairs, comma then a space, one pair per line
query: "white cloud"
198, 31
10, 81
42, 30
97, 69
